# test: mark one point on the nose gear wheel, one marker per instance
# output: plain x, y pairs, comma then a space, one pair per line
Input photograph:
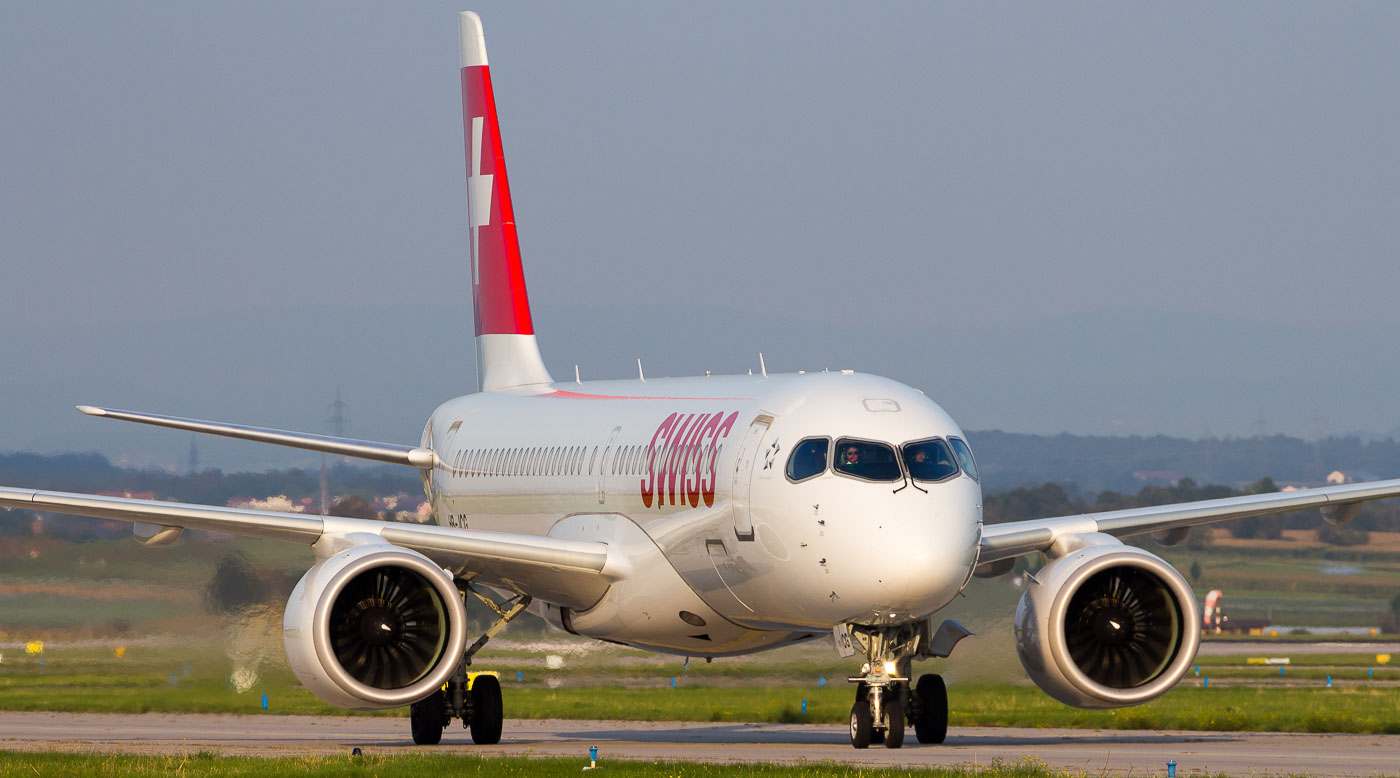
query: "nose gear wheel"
929, 709
862, 726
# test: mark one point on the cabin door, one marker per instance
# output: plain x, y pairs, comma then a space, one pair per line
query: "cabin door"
743, 475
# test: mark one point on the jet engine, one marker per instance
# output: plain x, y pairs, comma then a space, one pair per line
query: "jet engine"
374, 626
1107, 625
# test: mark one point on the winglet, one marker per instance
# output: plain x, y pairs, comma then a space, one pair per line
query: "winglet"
92, 410
507, 354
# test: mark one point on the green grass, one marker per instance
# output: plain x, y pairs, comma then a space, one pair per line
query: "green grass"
14, 763
1285, 638
50, 612
1361, 710
1320, 674
1301, 660
1268, 707
1293, 588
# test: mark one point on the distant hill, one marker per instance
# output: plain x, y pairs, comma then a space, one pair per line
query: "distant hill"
1095, 463
93, 473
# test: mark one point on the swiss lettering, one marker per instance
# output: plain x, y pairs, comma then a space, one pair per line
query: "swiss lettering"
682, 458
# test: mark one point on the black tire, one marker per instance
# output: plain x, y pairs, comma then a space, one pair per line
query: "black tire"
894, 720
487, 712
428, 717
862, 727
931, 721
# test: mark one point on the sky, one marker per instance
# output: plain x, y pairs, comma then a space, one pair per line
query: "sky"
1194, 205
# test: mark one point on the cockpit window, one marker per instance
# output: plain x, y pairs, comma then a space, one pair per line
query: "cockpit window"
863, 459
969, 465
808, 459
930, 460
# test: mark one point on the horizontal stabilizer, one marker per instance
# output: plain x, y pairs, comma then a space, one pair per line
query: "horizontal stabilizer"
346, 447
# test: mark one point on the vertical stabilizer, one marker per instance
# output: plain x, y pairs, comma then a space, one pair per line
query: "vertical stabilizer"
506, 352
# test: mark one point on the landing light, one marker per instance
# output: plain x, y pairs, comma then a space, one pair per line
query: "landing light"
890, 668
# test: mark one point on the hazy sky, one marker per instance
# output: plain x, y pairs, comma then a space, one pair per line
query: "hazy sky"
911, 166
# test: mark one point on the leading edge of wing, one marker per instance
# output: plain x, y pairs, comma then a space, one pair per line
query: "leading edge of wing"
1011, 539
362, 449
566, 572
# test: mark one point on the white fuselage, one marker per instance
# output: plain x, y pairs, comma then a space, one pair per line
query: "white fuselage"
729, 553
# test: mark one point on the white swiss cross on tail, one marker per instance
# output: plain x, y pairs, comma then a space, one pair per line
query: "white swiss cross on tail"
478, 197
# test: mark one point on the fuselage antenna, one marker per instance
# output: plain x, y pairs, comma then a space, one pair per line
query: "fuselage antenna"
577, 380
762, 368
643, 378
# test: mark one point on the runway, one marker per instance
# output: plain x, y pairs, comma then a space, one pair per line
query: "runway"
1092, 751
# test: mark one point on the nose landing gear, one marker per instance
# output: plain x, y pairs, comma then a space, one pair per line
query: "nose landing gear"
884, 698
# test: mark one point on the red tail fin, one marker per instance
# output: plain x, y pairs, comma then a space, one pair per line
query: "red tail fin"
502, 307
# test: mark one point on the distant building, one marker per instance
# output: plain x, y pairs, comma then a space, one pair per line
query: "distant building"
1338, 477
277, 502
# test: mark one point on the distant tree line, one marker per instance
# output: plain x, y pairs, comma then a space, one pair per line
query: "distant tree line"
1008, 460
94, 473
1057, 499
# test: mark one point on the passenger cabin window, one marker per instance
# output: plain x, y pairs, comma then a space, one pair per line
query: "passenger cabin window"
866, 460
930, 460
964, 454
808, 459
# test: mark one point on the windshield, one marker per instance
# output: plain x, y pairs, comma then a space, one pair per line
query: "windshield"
964, 457
863, 459
808, 459
930, 460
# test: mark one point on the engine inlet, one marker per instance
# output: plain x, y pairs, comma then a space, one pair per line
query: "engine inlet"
1123, 627
388, 627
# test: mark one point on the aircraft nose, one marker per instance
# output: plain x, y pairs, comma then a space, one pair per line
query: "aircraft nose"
928, 565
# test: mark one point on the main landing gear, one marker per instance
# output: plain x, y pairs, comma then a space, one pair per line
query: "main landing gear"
885, 701
474, 698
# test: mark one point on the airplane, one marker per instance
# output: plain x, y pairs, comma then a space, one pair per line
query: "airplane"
709, 517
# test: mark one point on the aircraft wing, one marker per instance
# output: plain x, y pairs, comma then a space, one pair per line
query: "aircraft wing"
1014, 538
569, 573
347, 447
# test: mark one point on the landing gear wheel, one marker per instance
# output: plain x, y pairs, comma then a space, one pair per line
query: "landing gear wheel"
894, 720
428, 717
931, 712
861, 724
487, 712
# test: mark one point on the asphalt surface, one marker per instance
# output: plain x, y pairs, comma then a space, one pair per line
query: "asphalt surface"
1093, 751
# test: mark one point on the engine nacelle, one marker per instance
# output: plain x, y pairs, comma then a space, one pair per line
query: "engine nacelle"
1107, 625
375, 626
